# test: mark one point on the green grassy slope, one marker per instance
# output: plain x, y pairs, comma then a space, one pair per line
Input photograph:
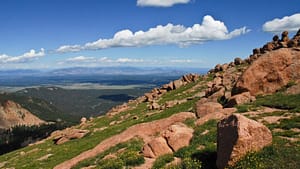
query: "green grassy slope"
201, 153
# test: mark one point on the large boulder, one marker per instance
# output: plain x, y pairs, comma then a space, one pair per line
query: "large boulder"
270, 72
178, 136
207, 108
156, 148
238, 135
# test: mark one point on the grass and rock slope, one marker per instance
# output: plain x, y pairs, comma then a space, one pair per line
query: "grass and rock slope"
149, 132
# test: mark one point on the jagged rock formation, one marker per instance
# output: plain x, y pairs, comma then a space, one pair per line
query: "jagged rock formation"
238, 135
13, 114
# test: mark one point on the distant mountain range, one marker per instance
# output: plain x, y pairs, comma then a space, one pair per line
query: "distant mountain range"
101, 71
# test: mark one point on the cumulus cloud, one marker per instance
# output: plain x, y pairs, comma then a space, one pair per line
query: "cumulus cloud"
160, 3
209, 30
289, 23
31, 55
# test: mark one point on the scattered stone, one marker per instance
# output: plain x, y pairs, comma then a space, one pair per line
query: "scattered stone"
295, 89
217, 81
238, 135
83, 120
240, 99
177, 84
109, 156
238, 61
154, 106
217, 68
45, 157
22, 153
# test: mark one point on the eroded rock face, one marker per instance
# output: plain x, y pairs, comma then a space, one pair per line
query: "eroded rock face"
270, 72
238, 135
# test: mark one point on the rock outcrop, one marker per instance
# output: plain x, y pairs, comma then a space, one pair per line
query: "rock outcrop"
13, 114
270, 72
62, 136
238, 135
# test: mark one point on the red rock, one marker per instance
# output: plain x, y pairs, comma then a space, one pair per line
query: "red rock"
238, 61
178, 136
240, 99
238, 135
269, 46
60, 137
207, 108
217, 68
156, 147
149, 97
270, 72
217, 81
177, 84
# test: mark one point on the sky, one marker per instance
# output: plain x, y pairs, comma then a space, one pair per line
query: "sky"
50, 34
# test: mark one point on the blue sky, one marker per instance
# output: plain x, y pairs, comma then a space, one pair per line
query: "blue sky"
46, 34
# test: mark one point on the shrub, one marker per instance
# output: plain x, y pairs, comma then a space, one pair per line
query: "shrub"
189, 163
113, 163
132, 158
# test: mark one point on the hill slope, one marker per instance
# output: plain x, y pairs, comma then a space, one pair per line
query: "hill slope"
154, 129
12, 114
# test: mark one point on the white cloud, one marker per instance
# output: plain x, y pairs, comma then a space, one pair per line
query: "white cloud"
31, 55
209, 30
160, 3
181, 61
93, 60
128, 60
288, 23
81, 59
69, 48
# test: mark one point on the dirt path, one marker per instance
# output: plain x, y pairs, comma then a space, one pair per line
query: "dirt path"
144, 130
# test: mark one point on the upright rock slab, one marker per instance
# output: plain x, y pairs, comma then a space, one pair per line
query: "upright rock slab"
238, 135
